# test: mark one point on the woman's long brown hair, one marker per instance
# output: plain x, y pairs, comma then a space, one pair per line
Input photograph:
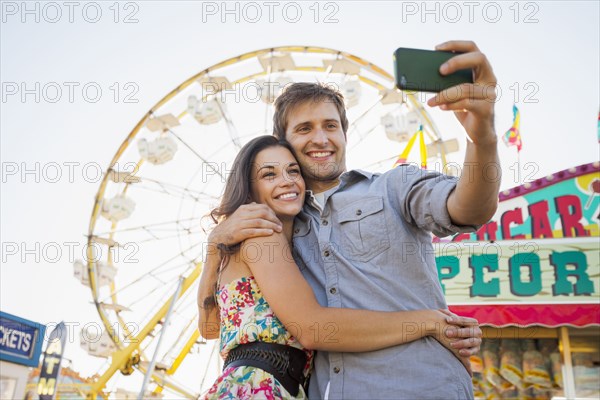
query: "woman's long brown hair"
237, 191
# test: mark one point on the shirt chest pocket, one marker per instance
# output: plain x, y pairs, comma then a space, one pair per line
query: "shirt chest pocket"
363, 230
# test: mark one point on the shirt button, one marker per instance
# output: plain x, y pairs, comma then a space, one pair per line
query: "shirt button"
358, 212
336, 370
296, 230
333, 290
324, 222
326, 253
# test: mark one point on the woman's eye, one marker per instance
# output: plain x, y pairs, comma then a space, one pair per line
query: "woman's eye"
294, 171
268, 174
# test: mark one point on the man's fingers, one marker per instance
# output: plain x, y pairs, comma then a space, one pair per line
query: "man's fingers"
468, 332
466, 91
261, 223
255, 232
254, 209
261, 211
469, 351
473, 60
470, 343
462, 46
462, 321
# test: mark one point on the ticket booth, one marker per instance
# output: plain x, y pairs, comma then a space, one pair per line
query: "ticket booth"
20, 348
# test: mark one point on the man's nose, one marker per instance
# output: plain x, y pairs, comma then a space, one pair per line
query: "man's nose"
320, 137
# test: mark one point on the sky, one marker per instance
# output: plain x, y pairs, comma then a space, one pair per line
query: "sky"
77, 78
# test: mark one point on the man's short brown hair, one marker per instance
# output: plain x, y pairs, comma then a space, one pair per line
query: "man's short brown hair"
299, 93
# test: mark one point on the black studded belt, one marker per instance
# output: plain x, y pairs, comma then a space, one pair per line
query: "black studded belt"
285, 363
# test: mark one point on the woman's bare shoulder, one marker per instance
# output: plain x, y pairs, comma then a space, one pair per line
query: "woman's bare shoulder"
264, 248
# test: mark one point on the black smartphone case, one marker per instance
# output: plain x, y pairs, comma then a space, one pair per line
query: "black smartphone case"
418, 70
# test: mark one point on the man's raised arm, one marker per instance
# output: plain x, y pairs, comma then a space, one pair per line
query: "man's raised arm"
475, 199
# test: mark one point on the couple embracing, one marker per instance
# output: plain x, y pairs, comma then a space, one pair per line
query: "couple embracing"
311, 276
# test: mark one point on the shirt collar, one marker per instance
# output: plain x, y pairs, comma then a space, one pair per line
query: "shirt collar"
355, 173
353, 176
310, 199
344, 178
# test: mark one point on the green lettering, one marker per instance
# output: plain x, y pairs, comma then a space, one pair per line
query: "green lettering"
479, 263
559, 260
518, 287
449, 264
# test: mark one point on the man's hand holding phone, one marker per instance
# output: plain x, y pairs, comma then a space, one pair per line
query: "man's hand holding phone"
472, 103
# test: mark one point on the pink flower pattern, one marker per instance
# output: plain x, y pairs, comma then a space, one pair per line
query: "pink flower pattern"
247, 317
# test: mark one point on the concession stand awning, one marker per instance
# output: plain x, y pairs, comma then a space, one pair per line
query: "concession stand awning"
531, 277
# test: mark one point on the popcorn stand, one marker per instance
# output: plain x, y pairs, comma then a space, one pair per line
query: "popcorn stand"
531, 276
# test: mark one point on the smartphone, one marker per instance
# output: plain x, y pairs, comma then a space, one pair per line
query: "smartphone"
419, 70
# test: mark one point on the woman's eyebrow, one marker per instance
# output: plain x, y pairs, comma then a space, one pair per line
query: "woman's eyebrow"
267, 166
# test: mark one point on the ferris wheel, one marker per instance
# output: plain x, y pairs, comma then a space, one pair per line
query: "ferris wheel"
147, 228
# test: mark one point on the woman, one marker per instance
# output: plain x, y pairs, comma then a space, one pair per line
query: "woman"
267, 346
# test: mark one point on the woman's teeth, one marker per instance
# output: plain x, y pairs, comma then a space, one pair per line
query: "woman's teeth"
287, 196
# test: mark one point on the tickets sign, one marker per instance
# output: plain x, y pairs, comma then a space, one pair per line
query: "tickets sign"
20, 340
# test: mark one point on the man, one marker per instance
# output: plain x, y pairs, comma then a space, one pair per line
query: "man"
363, 240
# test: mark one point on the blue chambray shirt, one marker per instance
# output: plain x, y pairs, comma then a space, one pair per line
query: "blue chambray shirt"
370, 248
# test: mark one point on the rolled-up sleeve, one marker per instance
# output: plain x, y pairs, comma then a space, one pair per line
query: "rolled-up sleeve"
423, 198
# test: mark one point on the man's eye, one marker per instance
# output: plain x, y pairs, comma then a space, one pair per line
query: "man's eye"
332, 126
303, 129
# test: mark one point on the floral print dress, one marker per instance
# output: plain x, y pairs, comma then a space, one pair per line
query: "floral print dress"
247, 317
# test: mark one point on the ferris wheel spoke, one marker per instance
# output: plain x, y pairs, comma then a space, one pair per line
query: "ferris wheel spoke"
233, 133
363, 137
182, 233
146, 295
145, 226
354, 123
185, 350
170, 288
196, 153
157, 234
151, 273
183, 195
186, 331
172, 190
186, 305
267, 105
210, 357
